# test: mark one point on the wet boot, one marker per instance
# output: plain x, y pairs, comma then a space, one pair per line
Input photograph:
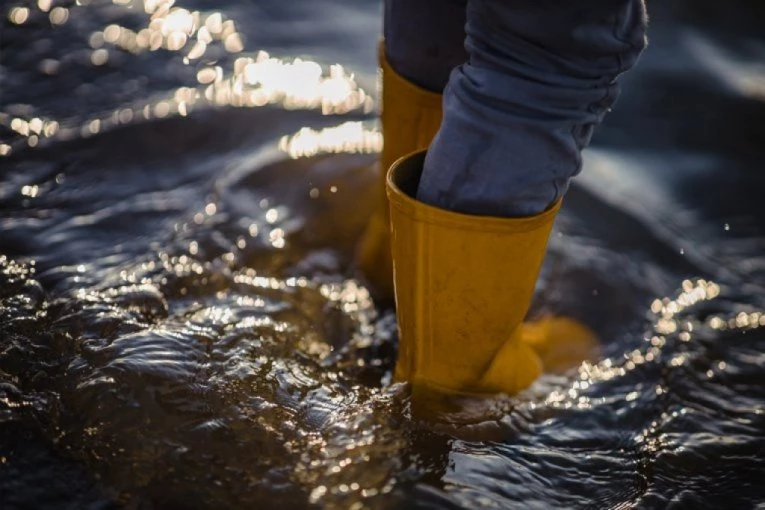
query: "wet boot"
463, 286
410, 118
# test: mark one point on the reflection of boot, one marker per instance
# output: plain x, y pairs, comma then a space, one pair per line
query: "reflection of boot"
463, 287
410, 118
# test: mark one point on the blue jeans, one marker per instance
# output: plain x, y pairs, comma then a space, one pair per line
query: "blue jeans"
524, 82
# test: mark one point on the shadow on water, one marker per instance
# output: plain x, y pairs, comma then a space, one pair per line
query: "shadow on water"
181, 325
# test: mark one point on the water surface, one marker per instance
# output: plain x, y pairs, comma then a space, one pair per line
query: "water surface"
181, 189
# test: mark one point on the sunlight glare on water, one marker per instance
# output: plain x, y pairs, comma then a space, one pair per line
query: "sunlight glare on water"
249, 81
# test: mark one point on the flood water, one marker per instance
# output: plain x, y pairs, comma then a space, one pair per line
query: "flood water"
181, 189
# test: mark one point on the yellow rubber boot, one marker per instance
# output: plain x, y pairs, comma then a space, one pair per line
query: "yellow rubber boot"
410, 118
463, 287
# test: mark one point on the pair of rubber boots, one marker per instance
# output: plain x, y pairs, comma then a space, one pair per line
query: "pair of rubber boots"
463, 283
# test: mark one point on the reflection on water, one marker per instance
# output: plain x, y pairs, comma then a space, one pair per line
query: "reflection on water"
347, 138
201, 40
181, 325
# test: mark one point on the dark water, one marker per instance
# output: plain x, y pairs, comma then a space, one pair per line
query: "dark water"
180, 326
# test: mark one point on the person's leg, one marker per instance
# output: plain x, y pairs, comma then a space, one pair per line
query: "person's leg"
425, 39
472, 216
540, 75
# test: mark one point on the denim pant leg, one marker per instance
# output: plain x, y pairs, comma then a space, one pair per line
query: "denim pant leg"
541, 75
425, 39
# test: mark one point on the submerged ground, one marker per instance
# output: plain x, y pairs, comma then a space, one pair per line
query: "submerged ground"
181, 189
